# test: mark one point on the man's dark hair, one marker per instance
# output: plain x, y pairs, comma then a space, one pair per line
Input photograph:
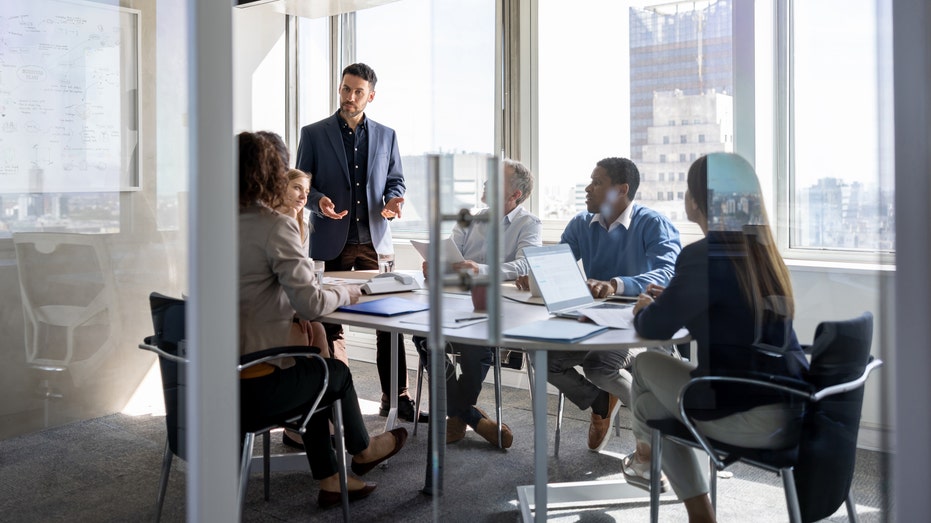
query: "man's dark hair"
362, 71
622, 170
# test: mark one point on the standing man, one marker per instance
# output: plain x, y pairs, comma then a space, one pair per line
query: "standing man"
519, 229
623, 247
357, 186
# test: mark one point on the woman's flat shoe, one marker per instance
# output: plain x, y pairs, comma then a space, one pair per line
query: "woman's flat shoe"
400, 436
328, 499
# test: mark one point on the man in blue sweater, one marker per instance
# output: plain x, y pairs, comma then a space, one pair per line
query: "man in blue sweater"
623, 247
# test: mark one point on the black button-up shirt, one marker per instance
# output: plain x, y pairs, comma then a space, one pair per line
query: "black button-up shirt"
356, 144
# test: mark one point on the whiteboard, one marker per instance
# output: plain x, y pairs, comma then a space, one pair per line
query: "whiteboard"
69, 93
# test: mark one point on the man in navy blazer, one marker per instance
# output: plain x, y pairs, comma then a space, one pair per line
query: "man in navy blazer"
357, 185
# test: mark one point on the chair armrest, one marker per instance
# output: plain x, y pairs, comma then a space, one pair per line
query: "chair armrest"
847, 386
720, 464
148, 345
262, 356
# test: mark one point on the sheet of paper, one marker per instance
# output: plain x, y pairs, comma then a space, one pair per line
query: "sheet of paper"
613, 318
450, 251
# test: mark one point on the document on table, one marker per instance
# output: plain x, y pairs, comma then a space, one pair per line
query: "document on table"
555, 330
612, 318
453, 320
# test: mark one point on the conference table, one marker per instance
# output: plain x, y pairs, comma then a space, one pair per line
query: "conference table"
514, 311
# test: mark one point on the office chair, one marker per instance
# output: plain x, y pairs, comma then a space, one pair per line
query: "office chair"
817, 470
70, 307
168, 316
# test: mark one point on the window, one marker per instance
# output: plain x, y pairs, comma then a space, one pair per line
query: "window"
681, 177
837, 200
680, 195
701, 138
444, 66
662, 177
682, 139
662, 89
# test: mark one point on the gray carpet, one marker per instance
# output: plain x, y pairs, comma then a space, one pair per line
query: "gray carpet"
107, 469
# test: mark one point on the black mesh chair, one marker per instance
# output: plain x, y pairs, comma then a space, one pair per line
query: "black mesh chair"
169, 345
817, 470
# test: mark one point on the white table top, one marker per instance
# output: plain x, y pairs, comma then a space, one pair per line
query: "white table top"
513, 314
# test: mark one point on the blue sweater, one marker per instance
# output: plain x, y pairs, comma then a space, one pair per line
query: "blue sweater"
642, 254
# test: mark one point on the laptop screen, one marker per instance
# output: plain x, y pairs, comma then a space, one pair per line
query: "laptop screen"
559, 277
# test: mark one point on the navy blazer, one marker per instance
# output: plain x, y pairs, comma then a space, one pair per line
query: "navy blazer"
320, 152
705, 297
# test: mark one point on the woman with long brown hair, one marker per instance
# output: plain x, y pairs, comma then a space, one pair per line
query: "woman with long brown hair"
731, 290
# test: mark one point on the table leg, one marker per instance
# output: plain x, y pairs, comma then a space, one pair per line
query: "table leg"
541, 475
392, 420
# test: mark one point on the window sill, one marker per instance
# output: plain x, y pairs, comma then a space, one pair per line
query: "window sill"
837, 266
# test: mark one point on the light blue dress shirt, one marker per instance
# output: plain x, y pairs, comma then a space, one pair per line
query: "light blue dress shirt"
519, 228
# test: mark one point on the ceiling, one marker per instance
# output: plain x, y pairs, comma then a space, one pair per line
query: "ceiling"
314, 8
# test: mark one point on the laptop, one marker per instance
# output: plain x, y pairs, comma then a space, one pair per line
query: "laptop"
561, 282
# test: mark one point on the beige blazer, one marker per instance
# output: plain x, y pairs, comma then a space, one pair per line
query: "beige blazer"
276, 280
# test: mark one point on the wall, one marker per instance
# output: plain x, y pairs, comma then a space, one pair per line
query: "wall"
259, 92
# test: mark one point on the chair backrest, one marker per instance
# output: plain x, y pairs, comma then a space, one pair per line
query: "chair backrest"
168, 321
69, 294
827, 452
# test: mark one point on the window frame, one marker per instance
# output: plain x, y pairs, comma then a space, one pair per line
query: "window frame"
784, 164
763, 107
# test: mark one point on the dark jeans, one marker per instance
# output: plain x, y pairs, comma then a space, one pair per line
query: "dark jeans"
288, 392
363, 257
462, 391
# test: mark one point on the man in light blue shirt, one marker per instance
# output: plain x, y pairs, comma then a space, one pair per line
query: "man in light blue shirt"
623, 247
519, 229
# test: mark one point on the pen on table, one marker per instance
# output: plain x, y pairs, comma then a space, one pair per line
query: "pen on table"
471, 318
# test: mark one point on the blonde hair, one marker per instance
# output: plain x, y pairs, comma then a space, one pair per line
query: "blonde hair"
294, 174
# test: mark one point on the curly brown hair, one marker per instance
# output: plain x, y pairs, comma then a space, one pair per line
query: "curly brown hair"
261, 173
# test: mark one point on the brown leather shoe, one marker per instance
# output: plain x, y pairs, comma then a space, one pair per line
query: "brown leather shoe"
455, 429
488, 429
599, 432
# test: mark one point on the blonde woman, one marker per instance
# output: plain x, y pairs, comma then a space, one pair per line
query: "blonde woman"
295, 198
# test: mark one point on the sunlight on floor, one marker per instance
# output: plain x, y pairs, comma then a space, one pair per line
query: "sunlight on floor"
147, 400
